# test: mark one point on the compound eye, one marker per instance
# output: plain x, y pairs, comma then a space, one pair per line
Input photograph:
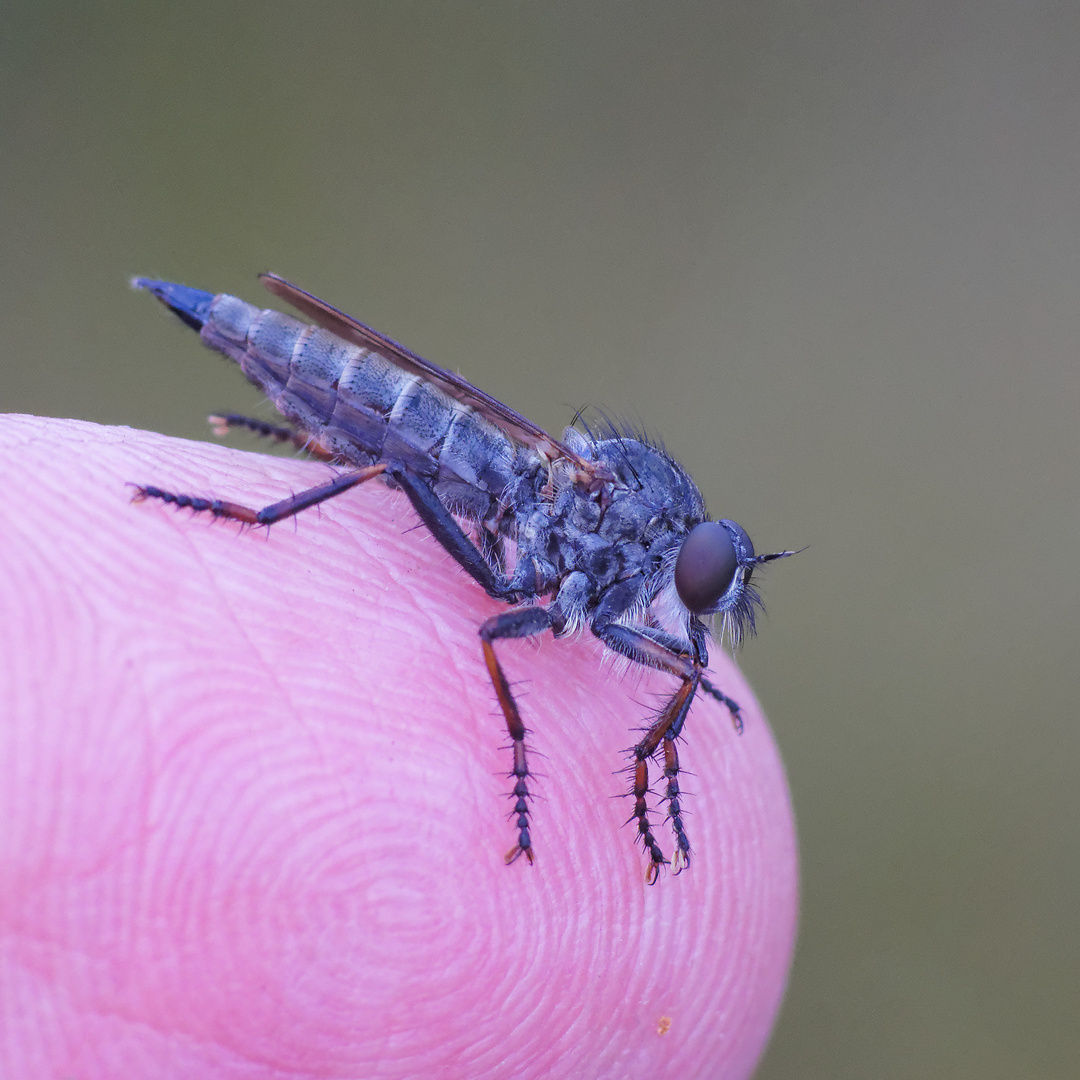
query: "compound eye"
706, 566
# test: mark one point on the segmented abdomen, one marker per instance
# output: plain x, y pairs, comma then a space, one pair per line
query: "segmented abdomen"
361, 406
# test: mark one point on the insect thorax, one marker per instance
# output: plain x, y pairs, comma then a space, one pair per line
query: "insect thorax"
582, 543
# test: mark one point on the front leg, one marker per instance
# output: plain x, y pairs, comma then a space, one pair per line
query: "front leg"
663, 730
654, 648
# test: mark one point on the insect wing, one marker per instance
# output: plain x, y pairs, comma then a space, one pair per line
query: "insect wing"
345, 326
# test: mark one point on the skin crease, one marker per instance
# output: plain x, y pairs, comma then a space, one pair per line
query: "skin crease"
254, 803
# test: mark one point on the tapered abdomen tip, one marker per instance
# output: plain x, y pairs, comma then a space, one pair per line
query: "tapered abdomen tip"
190, 305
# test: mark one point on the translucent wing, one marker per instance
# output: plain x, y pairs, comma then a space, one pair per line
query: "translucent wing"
352, 330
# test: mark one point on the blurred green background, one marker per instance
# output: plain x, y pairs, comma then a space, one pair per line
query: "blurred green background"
829, 252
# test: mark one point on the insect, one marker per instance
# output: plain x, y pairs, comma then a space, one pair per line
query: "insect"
602, 529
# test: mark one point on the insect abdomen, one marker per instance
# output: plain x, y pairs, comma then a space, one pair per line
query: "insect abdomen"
361, 406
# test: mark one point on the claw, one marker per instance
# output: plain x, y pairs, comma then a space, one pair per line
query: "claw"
516, 851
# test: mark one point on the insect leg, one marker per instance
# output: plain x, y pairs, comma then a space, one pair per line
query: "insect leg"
653, 648
522, 622
664, 729
639, 790
681, 859
732, 706
222, 423
268, 514
443, 526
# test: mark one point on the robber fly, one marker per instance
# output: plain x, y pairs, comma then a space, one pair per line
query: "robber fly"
601, 528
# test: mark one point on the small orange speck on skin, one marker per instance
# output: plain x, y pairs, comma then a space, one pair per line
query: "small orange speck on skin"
664, 1025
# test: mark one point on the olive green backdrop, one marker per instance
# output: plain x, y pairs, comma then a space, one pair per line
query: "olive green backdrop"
829, 252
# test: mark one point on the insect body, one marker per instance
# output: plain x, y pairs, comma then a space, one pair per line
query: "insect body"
603, 530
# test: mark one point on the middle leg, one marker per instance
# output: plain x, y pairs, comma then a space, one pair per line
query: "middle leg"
519, 623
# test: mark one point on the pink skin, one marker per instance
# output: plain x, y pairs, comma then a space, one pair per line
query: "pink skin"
255, 811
